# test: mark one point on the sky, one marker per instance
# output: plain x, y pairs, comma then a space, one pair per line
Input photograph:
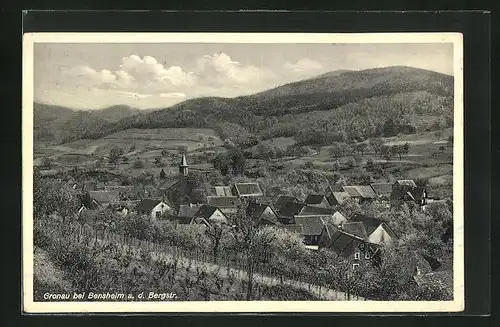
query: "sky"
142, 75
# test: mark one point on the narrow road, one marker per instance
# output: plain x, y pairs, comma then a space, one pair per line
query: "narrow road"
321, 292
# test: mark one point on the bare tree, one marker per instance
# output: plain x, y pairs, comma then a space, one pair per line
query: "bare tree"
252, 242
216, 232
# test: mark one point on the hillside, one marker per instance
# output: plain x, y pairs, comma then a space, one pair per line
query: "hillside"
116, 113
60, 124
346, 98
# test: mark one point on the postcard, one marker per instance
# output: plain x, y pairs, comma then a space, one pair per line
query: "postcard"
242, 172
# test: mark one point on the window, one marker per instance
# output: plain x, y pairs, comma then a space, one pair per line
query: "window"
158, 214
355, 266
356, 256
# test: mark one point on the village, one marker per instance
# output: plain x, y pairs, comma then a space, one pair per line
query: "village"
319, 219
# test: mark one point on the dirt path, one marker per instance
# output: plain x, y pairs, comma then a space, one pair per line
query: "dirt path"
321, 292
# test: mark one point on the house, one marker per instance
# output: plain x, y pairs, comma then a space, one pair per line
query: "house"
312, 227
124, 192
186, 212
405, 182
283, 199
360, 192
247, 190
211, 214
440, 281
287, 212
262, 214
153, 208
377, 231
167, 185
350, 246
223, 191
312, 210
124, 207
317, 200
382, 189
336, 196
100, 198
227, 204
408, 192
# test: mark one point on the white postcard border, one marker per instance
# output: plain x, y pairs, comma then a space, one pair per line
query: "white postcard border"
29, 306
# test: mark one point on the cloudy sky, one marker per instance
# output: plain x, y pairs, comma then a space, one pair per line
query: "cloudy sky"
97, 75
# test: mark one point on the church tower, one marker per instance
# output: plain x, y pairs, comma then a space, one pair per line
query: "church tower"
183, 167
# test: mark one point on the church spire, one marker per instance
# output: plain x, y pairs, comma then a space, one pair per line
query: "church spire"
183, 167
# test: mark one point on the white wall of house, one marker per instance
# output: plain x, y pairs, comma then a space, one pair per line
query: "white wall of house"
217, 216
380, 236
160, 209
269, 213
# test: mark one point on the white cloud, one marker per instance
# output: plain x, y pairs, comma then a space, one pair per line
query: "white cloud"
146, 82
149, 72
173, 95
137, 96
86, 76
219, 68
303, 66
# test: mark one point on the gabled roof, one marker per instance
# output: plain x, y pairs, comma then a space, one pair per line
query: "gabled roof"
311, 225
382, 188
188, 210
334, 188
104, 196
283, 199
314, 199
440, 280
256, 210
407, 193
352, 191
355, 228
125, 204
168, 183
338, 197
248, 189
313, 210
420, 261
223, 191
360, 191
291, 209
370, 223
147, 204
406, 182
224, 201
338, 240
366, 191
120, 189
206, 211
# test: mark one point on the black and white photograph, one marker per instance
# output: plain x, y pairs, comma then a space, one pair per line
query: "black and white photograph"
242, 172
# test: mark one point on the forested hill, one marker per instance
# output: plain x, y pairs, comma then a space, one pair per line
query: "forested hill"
60, 124
349, 104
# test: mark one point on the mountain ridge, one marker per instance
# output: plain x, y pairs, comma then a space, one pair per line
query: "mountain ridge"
324, 92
